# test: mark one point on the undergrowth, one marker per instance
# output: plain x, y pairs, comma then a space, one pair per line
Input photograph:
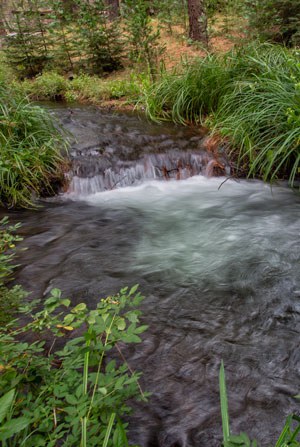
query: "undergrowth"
69, 392
83, 88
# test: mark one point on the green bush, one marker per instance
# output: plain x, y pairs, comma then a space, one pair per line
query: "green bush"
98, 38
71, 395
31, 145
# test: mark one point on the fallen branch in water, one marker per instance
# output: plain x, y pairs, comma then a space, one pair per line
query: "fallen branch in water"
232, 177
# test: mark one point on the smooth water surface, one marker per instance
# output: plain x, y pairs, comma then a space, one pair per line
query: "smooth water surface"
219, 268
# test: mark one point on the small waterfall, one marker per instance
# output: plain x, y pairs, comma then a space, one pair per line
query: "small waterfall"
112, 151
97, 175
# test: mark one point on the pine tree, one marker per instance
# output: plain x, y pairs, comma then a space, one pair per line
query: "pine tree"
197, 21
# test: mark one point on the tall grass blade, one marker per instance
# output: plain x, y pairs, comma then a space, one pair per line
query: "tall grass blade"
109, 429
224, 405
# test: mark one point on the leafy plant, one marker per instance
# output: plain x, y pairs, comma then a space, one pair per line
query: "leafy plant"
10, 426
72, 394
7, 248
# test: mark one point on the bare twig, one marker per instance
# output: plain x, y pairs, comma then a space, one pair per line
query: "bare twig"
130, 369
232, 177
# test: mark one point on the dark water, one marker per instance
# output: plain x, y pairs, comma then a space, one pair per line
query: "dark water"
219, 269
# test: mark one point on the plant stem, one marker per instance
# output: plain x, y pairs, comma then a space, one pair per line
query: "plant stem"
85, 387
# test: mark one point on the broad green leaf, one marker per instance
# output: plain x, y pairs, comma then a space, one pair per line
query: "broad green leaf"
120, 437
133, 289
132, 316
68, 319
131, 338
79, 308
10, 428
121, 324
102, 390
141, 329
65, 302
56, 293
71, 399
5, 403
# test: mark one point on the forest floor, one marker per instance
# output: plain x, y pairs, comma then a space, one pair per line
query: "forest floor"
224, 33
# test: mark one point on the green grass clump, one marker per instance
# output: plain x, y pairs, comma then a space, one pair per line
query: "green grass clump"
260, 113
250, 95
49, 86
95, 90
190, 94
31, 161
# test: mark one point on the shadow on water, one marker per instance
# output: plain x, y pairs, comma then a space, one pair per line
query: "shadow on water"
220, 273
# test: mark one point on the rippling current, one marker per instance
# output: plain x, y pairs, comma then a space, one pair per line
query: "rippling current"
220, 272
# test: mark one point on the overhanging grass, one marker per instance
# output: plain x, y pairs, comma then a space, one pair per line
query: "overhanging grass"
30, 146
250, 95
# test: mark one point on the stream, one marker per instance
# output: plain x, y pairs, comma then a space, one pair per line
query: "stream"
218, 266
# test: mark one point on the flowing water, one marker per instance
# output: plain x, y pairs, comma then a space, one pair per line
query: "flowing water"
219, 268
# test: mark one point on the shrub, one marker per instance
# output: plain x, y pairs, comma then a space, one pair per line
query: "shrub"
72, 395
31, 147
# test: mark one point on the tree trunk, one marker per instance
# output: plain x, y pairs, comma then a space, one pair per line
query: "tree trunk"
113, 8
197, 21
3, 13
70, 6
